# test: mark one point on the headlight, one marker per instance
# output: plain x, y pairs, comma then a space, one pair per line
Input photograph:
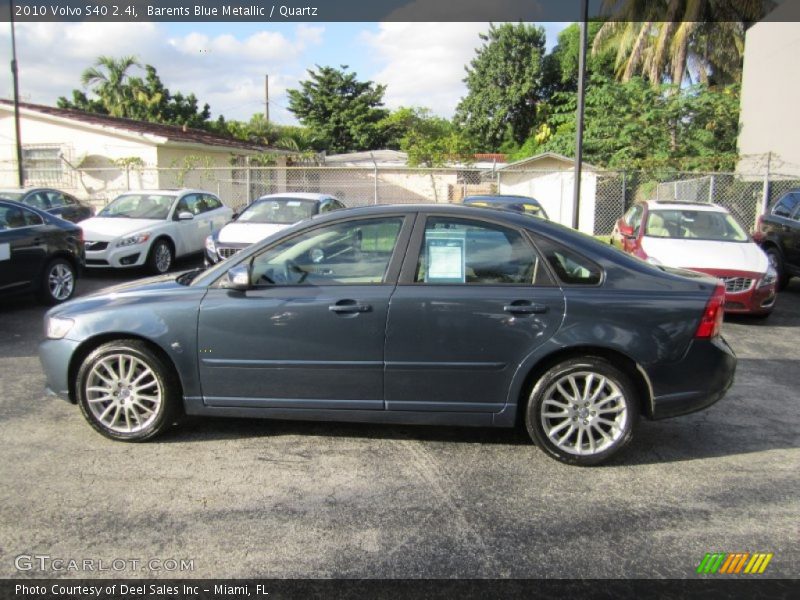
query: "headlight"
210, 245
769, 278
57, 327
131, 240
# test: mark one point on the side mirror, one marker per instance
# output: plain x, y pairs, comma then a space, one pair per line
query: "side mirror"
185, 216
237, 278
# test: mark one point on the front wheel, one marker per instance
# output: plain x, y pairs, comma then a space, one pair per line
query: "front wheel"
127, 392
776, 260
582, 411
58, 282
161, 257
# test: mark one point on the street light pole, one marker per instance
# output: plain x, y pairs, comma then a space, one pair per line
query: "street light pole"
15, 76
576, 193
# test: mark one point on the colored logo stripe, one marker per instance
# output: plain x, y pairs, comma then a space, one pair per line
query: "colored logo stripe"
733, 563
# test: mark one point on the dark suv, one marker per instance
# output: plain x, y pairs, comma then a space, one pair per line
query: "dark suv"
779, 235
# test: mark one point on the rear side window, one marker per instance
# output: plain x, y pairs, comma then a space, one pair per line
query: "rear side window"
212, 202
13, 217
473, 252
786, 205
570, 267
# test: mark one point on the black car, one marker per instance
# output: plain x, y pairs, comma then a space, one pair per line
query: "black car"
38, 253
521, 204
53, 201
432, 314
778, 233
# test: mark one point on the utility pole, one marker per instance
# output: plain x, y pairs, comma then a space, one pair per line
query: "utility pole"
15, 76
576, 194
266, 98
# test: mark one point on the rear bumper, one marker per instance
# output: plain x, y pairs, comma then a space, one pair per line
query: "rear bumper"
696, 382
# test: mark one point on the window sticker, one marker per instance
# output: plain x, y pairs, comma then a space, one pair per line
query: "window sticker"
5, 251
445, 250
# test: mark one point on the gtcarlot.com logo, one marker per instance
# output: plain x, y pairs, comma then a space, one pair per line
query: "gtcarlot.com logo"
45, 562
733, 563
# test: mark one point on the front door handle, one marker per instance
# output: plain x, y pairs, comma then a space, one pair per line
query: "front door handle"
525, 308
349, 307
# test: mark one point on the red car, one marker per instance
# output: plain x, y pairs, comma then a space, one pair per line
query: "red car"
705, 238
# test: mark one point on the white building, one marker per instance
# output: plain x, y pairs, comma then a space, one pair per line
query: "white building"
97, 156
769, 117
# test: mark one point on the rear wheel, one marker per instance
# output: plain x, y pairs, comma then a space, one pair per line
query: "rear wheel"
582, 411
776, 260
127, 392
58, 282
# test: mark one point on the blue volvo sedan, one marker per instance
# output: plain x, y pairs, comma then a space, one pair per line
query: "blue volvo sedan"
435, 314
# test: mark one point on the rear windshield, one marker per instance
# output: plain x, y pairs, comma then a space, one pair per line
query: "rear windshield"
283, 211
694, 224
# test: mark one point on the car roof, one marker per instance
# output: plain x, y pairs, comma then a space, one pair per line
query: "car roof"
298, 196
501, 198
701, 206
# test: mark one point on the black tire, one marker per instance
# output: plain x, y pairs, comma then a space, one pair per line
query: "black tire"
577, 412
160, 257
163, 383
57, 282
776, 260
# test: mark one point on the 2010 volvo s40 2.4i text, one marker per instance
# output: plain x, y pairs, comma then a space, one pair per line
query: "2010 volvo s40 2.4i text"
445, 315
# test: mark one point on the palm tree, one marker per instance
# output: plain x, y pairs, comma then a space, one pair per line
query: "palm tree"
107, 79
659, 39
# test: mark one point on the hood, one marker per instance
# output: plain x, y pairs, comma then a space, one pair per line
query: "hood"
104, 229
247, 233
706, 254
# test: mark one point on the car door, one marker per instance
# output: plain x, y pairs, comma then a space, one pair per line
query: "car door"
214, 215
59, 206
23, 247
192, 232
792, 243
474, 300
309, 333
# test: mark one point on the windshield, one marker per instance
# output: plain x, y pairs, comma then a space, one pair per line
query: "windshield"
694, 225
278, 210
139, 206
11, 195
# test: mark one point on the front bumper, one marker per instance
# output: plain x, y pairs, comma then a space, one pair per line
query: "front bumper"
756, 301
117, 258
222, 252
55, 356
698, 380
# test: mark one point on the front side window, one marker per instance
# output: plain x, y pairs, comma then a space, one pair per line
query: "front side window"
353, 252
694, 224
786, 205
139, 206
38, 200
634, 217
472, 252
56, 199
212, 202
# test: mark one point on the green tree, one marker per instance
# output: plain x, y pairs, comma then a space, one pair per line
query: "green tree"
657, 39
343, 113
504, 85
120, 94
429, 141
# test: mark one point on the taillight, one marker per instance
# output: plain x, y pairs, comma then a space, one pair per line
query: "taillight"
711, 321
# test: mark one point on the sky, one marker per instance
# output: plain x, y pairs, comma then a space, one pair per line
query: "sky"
422, 64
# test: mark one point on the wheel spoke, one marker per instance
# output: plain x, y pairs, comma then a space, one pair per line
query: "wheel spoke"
566, 436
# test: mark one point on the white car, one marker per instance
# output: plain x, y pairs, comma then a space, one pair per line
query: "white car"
263, 217
705, 238
151, 228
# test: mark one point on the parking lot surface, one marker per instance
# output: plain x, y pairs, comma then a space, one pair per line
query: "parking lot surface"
246, 498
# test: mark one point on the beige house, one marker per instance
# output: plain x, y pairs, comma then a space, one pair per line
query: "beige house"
98, 157
769, 117
550, 177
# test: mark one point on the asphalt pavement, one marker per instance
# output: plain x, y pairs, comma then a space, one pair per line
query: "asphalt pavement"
256, 498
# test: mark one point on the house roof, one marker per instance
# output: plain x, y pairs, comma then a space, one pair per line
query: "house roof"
530, 162
157, 133
369, 157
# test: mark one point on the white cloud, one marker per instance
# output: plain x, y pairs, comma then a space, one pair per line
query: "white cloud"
223, 70
424, 62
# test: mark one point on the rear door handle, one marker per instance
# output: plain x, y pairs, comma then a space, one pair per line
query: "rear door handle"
525, 308
348, 307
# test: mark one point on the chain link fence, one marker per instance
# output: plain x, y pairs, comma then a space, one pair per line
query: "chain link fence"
605, 195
